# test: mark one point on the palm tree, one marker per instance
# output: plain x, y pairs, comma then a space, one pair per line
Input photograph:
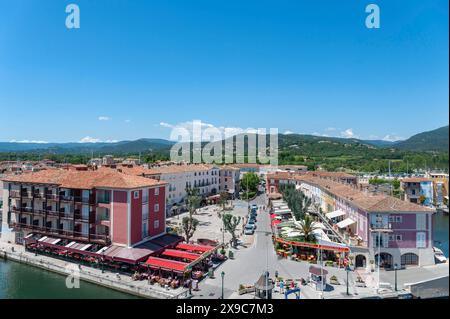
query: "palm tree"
307, 227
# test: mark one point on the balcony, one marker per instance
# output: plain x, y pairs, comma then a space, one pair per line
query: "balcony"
83, 200
39, 195
26, 194
79, 217
51, 197
14, 194
66, 198
51, 212
64, 233
66, 215
39, 212
103, 200
378, 227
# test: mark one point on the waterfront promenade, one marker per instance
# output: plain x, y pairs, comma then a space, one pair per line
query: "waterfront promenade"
107, 279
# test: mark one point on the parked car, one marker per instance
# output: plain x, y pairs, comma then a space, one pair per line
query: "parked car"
249, 230
251, 223
254, 206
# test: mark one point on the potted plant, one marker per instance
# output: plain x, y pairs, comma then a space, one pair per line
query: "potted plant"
230, 254
334, 280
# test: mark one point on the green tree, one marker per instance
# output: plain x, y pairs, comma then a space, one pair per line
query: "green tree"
250, 182
189, 226
223, 199
193, 200
230, 223
307, 227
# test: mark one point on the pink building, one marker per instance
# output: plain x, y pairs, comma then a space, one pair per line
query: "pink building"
92, 206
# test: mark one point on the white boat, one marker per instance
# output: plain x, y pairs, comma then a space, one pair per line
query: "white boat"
439, 255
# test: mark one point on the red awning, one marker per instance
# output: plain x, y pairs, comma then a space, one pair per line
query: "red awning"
181, 254
199, 248
272, 216
276, 222
166, 264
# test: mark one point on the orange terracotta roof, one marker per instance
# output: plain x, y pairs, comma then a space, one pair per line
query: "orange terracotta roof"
415, 179
172, 169
366, 201
84, 179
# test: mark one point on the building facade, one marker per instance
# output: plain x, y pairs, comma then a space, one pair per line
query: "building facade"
377, 228
229, 180
105, 207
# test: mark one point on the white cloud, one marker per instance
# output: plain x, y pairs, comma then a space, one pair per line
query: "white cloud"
188, 126
29, 141
348, 133
89, 139
392, 138
104, 118
319, 134
166, 125
288, 132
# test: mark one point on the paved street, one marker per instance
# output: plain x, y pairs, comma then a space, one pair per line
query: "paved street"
251, 262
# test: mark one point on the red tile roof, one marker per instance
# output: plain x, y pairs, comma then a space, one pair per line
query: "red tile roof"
105, 178
366, 201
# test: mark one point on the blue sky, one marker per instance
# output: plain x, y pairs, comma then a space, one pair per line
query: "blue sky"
136, 68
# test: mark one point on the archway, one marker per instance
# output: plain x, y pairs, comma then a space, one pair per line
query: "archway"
360, 261
409, 259
386, 260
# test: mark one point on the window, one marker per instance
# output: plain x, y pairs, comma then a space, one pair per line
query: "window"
157, 191
144, 230
136, 194
398, 237
409, 259
156, 207
398, 219
421, 222
391, 219
421, 240
156, 224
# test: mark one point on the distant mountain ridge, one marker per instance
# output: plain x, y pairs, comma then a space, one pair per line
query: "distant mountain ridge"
435, 140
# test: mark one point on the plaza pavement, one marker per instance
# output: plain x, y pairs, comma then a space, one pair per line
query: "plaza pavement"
251, 262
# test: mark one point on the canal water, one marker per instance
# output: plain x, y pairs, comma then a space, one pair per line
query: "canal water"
20, 281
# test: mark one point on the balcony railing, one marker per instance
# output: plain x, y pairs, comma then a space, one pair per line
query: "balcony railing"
51, 212
53, 197
70, 234
83, 218
67, 215
26, 194
14, 194
381, 227
67, 198
103, 200
38, 195
84, 200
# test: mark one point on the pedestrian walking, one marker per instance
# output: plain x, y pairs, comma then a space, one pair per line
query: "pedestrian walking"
282, 287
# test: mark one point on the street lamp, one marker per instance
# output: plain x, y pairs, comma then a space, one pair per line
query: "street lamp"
348, 270
223, 276
395, 269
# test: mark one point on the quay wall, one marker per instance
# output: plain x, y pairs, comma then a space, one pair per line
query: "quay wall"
89, 275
